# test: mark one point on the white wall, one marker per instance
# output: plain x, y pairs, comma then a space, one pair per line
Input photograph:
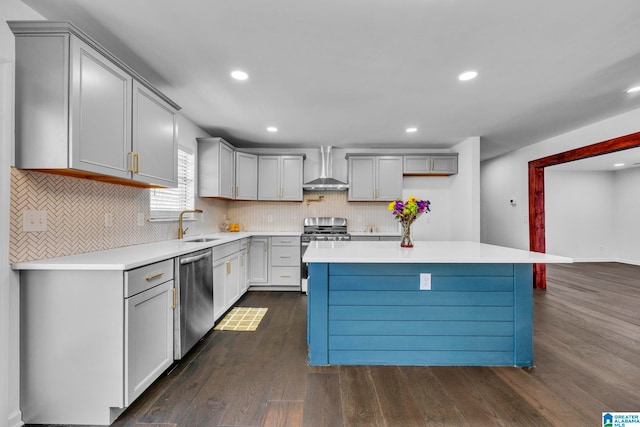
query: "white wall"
579, 209
455, 200
10, 414
506, 176
465, 192
626, 213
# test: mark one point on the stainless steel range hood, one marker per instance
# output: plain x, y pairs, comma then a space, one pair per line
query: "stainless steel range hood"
325, 182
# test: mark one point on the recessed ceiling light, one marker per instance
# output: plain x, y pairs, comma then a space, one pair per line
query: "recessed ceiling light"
617, 165
239, 75
468, 75
411, 130
272, 129
633, 89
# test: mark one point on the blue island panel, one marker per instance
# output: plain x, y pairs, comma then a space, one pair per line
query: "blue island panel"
376, 314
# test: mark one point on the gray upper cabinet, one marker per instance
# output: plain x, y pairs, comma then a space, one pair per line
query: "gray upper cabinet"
374, 177
280, 178
80, 111
226, 173
432, 164
100, 139
155, 139
246, 176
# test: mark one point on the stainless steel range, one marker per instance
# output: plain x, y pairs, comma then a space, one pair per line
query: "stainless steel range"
321, 229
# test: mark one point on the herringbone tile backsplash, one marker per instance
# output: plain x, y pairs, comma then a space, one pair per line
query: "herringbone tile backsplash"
76, 211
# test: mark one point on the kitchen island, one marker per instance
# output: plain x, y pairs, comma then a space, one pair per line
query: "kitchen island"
439, 303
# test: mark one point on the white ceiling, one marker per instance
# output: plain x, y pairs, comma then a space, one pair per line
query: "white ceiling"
356, 73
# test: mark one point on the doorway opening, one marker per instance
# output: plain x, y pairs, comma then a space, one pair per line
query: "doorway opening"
536, 191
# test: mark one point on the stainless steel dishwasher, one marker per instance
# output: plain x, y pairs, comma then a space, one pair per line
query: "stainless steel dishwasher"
193, 316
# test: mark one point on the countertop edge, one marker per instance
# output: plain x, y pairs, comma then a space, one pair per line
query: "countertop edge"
428, 252
131, 257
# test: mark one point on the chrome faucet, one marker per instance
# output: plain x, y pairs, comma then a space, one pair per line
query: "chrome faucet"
182, 232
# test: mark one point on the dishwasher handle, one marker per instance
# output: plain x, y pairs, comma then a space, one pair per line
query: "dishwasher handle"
195, 258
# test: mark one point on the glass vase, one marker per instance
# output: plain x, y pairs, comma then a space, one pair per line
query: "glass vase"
405, 240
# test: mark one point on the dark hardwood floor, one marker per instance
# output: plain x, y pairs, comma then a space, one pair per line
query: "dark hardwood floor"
587, 357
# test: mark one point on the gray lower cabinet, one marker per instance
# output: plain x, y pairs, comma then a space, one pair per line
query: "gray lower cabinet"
80, 111
285, 262
259, 261
375, 238
148, 311
275, 263
105, 334
227, 276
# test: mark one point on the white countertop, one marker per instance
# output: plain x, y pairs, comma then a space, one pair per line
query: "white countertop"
136, 256
423, 252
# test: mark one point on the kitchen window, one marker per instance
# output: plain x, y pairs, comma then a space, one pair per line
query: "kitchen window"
167, 203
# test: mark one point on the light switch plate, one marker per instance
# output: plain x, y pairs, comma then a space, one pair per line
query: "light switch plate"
425, 281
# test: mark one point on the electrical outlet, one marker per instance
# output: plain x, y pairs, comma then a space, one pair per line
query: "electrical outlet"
425, 281
140, 219
34, 221
108, 219
269, 218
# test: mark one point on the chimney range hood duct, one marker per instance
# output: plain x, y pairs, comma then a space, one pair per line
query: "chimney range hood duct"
325, 182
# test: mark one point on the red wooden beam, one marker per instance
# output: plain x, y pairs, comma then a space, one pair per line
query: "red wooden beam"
536, 191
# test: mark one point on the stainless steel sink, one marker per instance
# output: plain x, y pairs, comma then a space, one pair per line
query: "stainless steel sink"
201, 240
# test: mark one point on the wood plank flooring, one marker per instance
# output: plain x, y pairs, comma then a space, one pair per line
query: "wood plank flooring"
587, 357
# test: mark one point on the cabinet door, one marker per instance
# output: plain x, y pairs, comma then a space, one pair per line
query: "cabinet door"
416, 165
227, 171
246, 176
291, 178
259, 261
232, 284
219, 285
100, 105
148, 338
268, 178
361, 178
444, 165
243, 278
154, 139
389, 179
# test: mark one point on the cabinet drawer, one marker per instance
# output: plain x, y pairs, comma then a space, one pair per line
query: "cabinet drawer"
225, 250
139, 279
285, 255
285, 241
285, 276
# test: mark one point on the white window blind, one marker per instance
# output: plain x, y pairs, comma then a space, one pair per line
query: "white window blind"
167, 203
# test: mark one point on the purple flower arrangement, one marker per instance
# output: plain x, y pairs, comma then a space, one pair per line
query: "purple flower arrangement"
409, 211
